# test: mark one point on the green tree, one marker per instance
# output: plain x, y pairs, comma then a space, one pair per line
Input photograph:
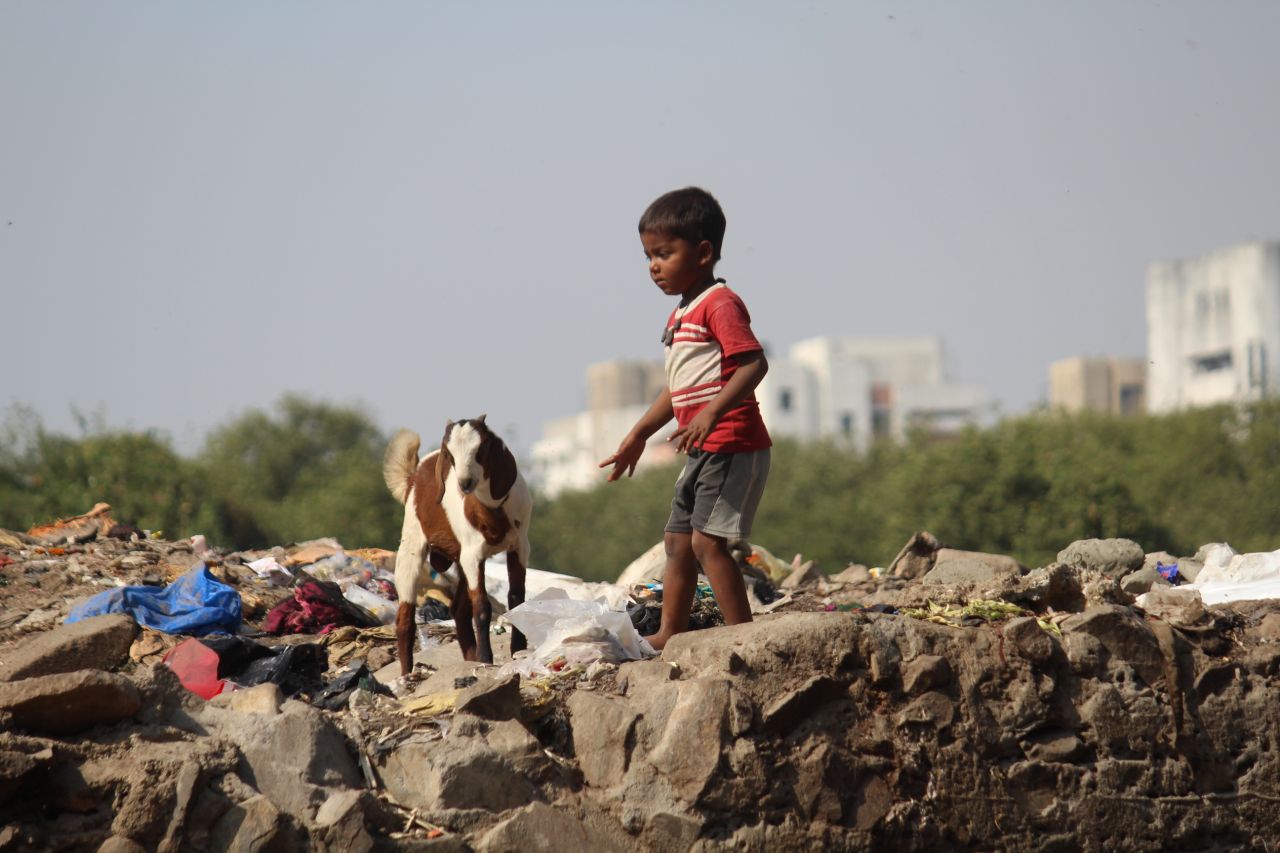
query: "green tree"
309, 469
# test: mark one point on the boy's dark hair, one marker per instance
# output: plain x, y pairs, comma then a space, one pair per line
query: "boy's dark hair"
691, 213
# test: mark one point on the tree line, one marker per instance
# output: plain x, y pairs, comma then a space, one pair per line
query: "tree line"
1026, 487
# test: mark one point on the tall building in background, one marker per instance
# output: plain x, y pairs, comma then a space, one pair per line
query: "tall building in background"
569, 453
850, 390
1115, 386
855, 390
1213, 327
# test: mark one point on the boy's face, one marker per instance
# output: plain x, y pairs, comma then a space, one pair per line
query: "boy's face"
677, 265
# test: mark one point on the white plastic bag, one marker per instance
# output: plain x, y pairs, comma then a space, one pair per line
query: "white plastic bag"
579, 631
380, 607
1243, 577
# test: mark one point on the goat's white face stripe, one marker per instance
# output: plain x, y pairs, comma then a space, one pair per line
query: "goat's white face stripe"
463, 444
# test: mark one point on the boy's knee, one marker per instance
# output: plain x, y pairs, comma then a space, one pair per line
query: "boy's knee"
676, 544
705, 545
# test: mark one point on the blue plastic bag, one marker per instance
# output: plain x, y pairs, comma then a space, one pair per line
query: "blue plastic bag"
1169, 572
196, 603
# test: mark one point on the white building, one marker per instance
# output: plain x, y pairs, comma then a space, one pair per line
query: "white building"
858, 389
1213, 327
1115, 386
569, 453
845, 389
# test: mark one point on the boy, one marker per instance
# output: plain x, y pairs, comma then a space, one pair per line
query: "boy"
713, 364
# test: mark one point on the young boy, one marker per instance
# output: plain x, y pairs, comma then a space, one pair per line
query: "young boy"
713, 364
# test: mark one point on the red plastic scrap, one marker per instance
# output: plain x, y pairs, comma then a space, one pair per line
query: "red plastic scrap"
196, 666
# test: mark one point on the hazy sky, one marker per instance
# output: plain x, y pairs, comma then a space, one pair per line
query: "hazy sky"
429, 209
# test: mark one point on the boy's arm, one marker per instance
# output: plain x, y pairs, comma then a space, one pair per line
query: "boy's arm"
628, 452
752, 366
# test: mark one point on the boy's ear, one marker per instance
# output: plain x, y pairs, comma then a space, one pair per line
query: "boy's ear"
706, 252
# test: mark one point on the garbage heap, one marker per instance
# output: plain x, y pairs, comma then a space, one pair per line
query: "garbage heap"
948, 699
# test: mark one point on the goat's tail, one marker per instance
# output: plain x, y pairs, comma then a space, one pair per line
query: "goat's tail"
400, 463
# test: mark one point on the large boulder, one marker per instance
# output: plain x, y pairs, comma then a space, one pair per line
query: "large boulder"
99, 642
69, 702
1112, 557
972, 567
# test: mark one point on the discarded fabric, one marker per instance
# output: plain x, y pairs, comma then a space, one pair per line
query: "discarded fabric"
196, 603
317, 607
1228, 576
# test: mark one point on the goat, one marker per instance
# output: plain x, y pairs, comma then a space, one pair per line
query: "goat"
463, 503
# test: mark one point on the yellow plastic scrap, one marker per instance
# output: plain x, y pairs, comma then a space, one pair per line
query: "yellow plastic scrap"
431, 705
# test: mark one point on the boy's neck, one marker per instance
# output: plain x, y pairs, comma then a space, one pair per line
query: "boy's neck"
694, 292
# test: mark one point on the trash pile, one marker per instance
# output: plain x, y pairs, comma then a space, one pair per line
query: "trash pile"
167, 695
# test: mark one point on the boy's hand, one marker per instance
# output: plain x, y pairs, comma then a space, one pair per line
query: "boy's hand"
624, 458
691, 436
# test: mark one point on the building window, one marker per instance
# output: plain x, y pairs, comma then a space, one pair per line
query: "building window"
1211, 363
880, 422
1130, 399
846, 424
784, 400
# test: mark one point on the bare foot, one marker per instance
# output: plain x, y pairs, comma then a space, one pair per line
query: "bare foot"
658, 640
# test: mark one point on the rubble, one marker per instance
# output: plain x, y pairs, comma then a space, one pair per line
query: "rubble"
957, 700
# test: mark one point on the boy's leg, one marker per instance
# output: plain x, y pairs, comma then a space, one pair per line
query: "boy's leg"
679, 582
712, 552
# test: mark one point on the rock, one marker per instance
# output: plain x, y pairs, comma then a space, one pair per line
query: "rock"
854, 573
1136, 583
293, 757
1178, 605
340, 824
603, 733
69, 702
790, 707
971, 567
15, 765
491, 699
121, 844
99, 642
249, 827
1111, 557
1124, 636
925, 673
699, 717
480, 765
1269, 627
1025, 636
264, 698
1054, 745
934, 710
541, 827
807, 574
916, 557
1055, 586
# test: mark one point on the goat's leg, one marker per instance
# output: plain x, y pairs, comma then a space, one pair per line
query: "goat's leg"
461, 610
412, 552
515, 596
482, 614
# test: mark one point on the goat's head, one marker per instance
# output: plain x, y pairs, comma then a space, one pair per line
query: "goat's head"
478, 456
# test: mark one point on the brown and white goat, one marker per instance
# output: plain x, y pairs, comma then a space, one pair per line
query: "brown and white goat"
463, 503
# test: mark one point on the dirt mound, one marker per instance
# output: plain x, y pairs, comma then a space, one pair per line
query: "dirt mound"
988, 706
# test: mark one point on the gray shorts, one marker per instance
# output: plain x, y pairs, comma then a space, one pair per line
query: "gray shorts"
717, 493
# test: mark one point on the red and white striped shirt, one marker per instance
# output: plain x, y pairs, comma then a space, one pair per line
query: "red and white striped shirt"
703, 338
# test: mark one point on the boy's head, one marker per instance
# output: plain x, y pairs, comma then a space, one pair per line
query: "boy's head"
691, 214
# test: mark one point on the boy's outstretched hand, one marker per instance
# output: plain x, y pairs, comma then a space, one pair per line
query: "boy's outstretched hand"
624, 458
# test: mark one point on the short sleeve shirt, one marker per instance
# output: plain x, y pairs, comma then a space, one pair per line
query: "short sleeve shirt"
704, 336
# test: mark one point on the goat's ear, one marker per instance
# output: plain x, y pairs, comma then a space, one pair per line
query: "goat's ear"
480, 419
443, 463
501, 468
